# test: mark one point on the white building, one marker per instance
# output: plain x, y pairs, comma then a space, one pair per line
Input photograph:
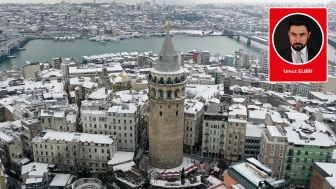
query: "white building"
201, 79
124, 121
58, 120
304, 89
193, 120
214, 129
264, 62
74, 149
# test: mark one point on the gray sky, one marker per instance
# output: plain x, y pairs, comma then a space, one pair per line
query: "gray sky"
171, 1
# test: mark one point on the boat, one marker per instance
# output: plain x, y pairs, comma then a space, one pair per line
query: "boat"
103, 42
56, 38
147, 36
11, 56
136, 35
115, 40
92, 39
21, 49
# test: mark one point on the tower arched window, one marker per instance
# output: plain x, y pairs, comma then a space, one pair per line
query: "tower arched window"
161, 80
169, 94
177, 93
155, 79
161, 93
175, 80
169, 81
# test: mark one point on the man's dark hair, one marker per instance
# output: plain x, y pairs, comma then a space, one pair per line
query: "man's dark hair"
299, 20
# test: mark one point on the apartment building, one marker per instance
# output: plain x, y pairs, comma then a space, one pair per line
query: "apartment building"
124, 121
214, 129
251, 174
59, 120
193, 120
304, 88
74, 149
273, 148
328, 86
264, 62
236, 132
252, 140
11, 143
308, 142
324, 176
201, 79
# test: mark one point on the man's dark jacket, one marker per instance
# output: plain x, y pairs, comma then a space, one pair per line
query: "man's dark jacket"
287, 54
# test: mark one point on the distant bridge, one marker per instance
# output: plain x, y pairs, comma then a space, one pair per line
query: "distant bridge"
228, 32
11, 44
332, 41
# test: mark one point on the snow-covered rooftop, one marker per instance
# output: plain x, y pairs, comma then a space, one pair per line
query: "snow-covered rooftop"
316, 133
329, 168
237, 109
274, 131
257, 114
253, 130
34, 167
79, 137
297, 116
100, 94
61, 180
123, 109
50, 73
121, 157
52, 86
193, 106
327, 97
250, 174
202, 91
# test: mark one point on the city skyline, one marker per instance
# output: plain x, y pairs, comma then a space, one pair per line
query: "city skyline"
169, 1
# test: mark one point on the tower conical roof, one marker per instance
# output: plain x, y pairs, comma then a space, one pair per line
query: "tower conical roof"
168, 57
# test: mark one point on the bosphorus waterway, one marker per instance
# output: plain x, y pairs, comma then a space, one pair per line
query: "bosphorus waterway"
45, 50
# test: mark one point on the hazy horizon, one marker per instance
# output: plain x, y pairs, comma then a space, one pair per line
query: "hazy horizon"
171, 1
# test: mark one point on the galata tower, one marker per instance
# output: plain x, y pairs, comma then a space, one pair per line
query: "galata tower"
166, 86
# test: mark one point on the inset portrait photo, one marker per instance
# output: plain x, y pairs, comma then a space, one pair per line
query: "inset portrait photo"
298, 45
297, 38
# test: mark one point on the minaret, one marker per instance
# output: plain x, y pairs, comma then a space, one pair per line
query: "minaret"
166, 86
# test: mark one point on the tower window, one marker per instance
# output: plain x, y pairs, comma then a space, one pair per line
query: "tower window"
176, 112
160, 113
161, 92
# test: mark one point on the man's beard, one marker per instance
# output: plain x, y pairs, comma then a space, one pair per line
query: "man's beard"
298, 46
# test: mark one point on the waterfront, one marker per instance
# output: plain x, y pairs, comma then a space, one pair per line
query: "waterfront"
45, 50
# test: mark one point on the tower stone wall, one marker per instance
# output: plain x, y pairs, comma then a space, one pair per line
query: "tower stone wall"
166, 92
166, 120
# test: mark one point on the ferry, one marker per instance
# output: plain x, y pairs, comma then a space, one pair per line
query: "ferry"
21, 49
11, 56
56, 38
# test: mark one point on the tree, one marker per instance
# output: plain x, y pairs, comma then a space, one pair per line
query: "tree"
108, 180
145, 172
146, 184
182, 176
222, 164
84, 172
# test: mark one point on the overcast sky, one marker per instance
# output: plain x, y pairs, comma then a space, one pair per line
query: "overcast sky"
171, 1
